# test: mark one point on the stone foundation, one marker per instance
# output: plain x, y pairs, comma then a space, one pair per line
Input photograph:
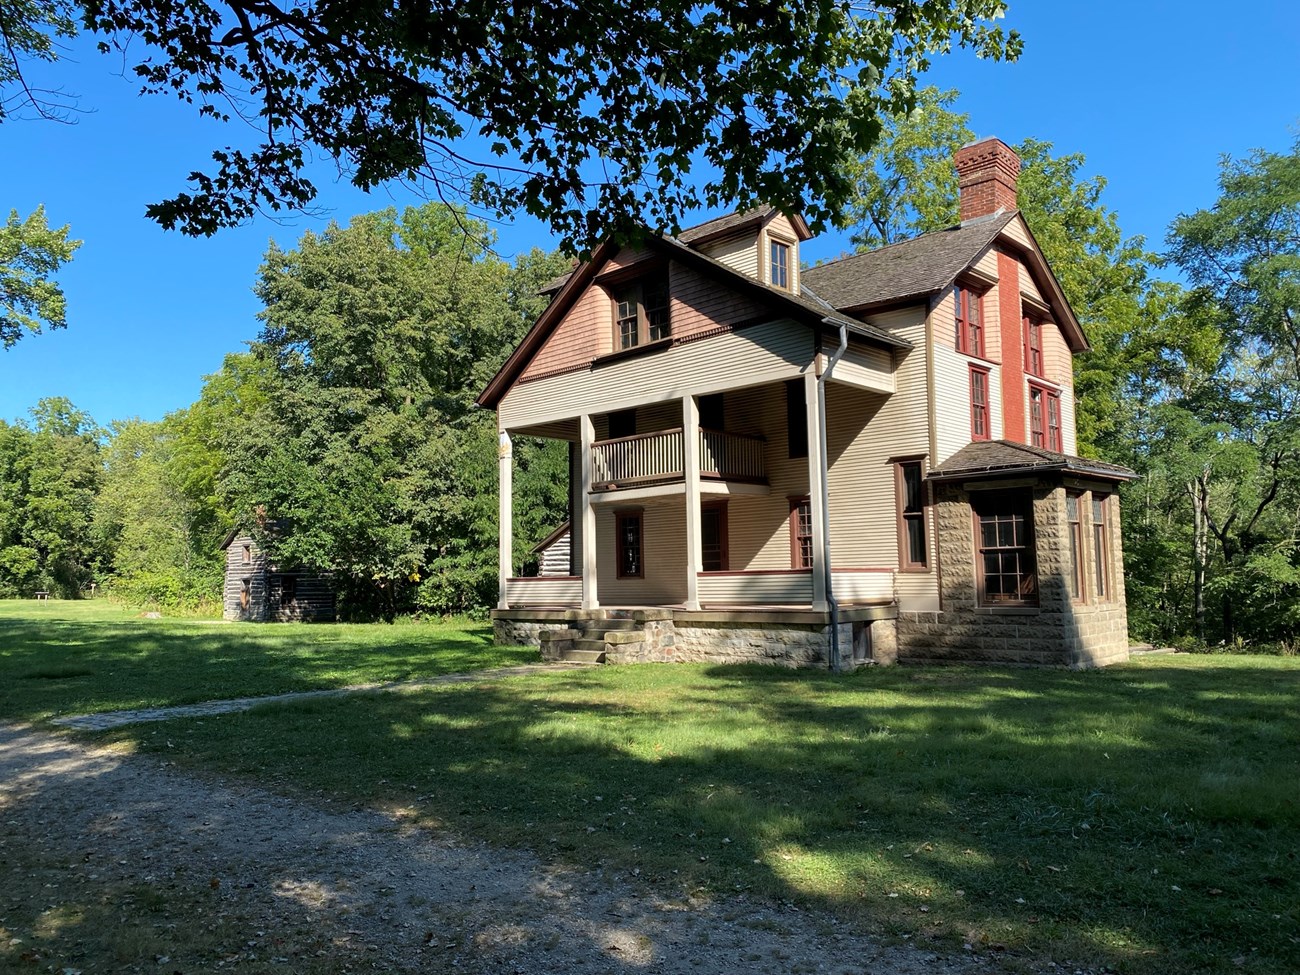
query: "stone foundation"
785, 639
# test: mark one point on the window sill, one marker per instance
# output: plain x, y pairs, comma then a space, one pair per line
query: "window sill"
1009, 610
631, 353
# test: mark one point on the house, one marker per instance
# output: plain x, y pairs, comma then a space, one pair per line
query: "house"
258, 590
871, 459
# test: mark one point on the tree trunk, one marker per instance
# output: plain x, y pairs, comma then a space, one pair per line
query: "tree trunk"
1200, 537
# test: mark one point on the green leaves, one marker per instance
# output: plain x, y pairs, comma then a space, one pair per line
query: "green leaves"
590, 116
30, 254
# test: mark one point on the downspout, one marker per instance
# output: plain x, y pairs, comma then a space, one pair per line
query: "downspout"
826, 506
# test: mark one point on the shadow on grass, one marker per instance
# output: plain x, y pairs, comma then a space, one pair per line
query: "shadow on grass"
51, 665
1145, 818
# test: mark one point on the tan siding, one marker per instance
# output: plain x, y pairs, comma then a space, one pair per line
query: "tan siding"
860, 587
758, 354
584, 333
865, 366
544, 591
740, 253
779, 226
1017, 232
782, 588
663, 541
952, 401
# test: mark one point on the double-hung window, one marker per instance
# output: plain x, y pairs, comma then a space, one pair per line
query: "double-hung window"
1073, 514
1034, 347
1005, 570
969, 337
979, 404
627, 536
913, 555
1045, 417
779, 264
641, 312
1100, 547
801, 546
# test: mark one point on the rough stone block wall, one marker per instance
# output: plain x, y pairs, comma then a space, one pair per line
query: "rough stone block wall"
1055, 633
786, 645
520, 633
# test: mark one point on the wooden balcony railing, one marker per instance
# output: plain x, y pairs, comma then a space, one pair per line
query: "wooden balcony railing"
659, 457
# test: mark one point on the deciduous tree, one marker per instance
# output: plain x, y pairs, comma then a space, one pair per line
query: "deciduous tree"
30, 254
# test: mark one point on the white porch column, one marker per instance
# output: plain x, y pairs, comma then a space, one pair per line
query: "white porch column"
691, 466
816, 465
587, 435
505, 516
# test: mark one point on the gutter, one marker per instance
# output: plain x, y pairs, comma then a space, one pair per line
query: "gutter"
826, 491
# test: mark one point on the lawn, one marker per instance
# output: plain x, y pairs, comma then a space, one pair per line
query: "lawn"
1143, 818
72, 657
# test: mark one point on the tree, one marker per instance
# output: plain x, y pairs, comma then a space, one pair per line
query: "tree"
365, 457
907, 184
589, 116
28, 29
30, 254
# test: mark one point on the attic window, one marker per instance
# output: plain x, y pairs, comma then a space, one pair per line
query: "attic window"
779, 255
641, 312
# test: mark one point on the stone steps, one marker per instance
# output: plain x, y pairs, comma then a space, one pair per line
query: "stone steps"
577, 656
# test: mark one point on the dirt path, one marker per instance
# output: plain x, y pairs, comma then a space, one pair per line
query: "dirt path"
114, 863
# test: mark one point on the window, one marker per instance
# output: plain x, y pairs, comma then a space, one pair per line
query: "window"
979, 403
1073, 515
912, 536
1034, 347
1004, 549
248, 554
1100, 548
627, 535
245, 594
713, 537
1044, 418
796, 418
641, 313
780, 264
801, 547
288, 590
970, 321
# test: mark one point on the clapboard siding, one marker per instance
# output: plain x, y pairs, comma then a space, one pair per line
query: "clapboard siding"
313, 598
952, 401
583, 334
753, 355
865, 366
757, 589
663, 555
740, 253
544, 591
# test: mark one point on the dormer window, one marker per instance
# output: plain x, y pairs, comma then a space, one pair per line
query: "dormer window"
779, 257
969, 336
641, 312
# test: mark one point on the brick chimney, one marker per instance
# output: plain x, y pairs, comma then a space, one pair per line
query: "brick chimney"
986, 172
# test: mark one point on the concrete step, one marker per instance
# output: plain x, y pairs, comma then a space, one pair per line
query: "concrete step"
590, 644
625, 637
583, 656
618, 623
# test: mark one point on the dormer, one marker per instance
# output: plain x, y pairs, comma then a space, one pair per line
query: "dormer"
761, 243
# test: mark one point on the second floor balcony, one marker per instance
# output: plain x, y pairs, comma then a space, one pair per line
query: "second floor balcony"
660, 457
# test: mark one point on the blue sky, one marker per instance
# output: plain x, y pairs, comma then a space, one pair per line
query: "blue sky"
1151, 92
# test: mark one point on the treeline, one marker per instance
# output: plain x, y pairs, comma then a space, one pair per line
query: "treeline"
1193, 379
348, 426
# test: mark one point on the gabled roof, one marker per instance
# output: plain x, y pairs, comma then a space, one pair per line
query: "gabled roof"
909, 269
1005, 458
784, 303
915, 269
731, 223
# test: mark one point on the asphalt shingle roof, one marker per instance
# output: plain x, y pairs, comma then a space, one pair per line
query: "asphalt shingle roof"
908, 269
997, 457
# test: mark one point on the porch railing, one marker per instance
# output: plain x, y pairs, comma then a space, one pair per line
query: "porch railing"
659, 456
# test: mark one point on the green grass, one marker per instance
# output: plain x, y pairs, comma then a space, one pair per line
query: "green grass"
76, 657
1143, 818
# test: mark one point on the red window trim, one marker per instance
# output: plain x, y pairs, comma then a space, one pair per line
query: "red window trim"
620, 518
1003, 503
1042, 433
796, 552
987, 433
1101, 547
1033, 328
967, 324
905, 563
1078, 575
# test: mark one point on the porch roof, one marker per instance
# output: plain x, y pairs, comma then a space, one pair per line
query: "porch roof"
1005, 458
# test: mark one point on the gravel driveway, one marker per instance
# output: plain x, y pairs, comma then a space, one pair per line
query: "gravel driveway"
111, 862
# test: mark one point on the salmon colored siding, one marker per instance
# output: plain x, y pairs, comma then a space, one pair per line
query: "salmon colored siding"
1014, 424
582, 335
